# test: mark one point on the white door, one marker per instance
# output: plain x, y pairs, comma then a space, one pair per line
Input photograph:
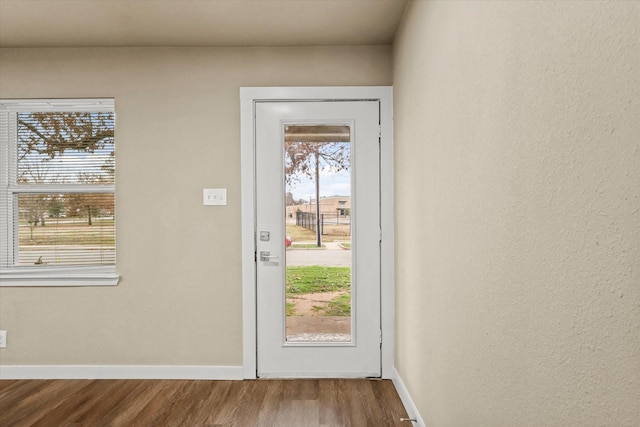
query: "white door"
318, 276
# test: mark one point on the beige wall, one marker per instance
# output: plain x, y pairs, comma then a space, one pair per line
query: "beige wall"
177, 132
517, 135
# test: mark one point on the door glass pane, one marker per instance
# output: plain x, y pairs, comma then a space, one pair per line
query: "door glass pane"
318, 233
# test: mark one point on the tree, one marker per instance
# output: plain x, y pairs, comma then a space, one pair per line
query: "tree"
291, 201
308, 149
56, 207
34, 206
32, 209
68, 136
52, 134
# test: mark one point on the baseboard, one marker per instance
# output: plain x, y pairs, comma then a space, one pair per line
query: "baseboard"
405, 397
168, 372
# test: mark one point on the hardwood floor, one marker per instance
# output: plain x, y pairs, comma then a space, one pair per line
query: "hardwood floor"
291, 403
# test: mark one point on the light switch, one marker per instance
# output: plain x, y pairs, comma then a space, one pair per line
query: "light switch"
214, 196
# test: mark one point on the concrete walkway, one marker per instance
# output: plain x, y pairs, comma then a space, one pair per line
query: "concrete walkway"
332, 256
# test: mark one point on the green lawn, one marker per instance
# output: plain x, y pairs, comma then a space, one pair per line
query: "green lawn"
308, 279
101, 233
339, 306
313, 279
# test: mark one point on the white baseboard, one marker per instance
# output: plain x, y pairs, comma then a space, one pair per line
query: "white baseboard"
169, 372
405, 397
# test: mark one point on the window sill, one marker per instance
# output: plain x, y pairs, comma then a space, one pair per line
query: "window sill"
62, 277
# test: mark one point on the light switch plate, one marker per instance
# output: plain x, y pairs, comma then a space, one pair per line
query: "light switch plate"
215, 196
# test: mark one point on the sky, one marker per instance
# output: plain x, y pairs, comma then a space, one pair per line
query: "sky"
65, 167
331, 184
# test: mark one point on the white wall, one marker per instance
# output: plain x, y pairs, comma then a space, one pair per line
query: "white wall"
517, 135
177, 132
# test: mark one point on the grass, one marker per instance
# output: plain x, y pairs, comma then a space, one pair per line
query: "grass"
314, 279
332, 233
310, 279
101, 233
336, 232
306, 246
339, 306
290, 309
300, 234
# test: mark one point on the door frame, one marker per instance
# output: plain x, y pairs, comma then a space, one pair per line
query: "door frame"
248, 97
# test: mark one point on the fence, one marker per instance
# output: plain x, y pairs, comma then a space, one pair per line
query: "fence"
308, 220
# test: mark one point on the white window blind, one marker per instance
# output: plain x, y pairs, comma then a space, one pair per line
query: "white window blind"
65, 148
57, 207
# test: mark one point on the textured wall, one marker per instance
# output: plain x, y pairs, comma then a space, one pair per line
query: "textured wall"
177, 132
517, 134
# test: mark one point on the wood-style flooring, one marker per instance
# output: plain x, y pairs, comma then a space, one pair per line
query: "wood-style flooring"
291, 403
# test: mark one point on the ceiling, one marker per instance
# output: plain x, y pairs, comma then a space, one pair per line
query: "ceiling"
97, 23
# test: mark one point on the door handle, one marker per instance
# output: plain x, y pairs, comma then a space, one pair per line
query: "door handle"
266, 256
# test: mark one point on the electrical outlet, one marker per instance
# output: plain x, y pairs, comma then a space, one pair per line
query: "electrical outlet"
3, 339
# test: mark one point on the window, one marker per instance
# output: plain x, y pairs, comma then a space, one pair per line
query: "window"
57, 192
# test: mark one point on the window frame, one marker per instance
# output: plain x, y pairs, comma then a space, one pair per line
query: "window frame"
11, 275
